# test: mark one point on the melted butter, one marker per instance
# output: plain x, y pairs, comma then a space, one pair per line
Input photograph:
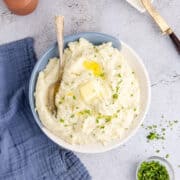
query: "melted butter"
94, 67
69, 94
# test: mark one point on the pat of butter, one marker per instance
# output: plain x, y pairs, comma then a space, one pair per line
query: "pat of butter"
94, 67
90, 90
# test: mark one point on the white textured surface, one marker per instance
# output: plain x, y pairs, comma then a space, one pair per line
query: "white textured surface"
117, 18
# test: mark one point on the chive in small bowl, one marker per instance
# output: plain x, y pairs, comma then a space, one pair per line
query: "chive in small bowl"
154, 168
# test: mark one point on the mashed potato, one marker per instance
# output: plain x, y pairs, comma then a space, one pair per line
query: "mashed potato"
98, 98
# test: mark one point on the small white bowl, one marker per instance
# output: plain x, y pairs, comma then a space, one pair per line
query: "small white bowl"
134, 61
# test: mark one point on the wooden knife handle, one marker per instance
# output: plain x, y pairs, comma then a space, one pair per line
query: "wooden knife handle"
175, 40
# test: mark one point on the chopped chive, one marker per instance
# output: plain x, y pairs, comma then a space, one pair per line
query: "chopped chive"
151, 170
72, 116
86, 111
117, 88
157, 151
102, 75
115, 96
119, 82
108, 118
152, 136
61, 120
74, 97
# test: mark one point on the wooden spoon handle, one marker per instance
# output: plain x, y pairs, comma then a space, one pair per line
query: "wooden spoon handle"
59, 22
175, 40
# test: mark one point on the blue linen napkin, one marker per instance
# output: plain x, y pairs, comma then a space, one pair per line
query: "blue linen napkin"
25, 152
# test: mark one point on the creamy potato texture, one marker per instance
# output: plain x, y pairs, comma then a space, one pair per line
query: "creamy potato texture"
98, 98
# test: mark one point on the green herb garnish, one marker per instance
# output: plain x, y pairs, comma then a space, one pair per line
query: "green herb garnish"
61, 120
117, 88
101, 127
152, 136
152, 170
74, 97
108, 118
86, 111
154, 126
72, 116
102, 75
176, 121
157, 151
115, 96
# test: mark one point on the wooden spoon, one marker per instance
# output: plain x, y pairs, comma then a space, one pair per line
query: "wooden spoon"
53, 88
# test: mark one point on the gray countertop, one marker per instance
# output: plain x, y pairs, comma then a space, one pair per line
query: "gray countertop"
117, 18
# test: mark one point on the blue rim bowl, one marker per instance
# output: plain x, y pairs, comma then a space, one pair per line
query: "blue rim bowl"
96, 39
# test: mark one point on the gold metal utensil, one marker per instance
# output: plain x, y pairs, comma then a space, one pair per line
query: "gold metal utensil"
165, 28
53, 88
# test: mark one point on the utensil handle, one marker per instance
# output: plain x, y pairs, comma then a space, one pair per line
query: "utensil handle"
175, 41
59, 22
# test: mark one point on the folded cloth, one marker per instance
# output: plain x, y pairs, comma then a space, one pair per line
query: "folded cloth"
25, 152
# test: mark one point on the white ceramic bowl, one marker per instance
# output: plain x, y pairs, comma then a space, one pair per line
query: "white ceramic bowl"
134, 61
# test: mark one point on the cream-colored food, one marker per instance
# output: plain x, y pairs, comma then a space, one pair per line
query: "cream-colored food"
99, 95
